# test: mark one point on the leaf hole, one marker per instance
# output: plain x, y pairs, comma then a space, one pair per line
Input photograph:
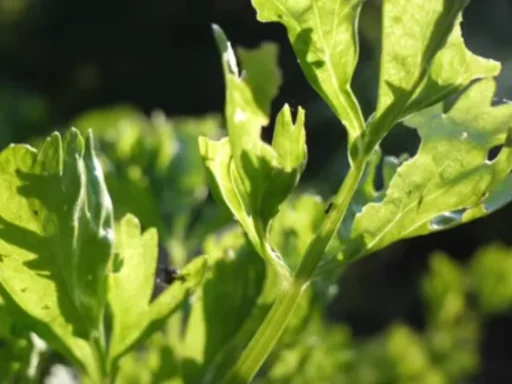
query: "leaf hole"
401, 140
317, 64
497, 101
493, 153
447, 219
118, 262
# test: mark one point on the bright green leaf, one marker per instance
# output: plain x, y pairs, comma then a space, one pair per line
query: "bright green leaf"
449, 180
423, 60
249, 176
324, 37
137, 317
56, 240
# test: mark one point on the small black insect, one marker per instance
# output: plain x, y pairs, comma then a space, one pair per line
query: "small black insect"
168, 275
165, 274
328, 209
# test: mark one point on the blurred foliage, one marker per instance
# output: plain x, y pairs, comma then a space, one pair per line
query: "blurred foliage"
445, 351
153, 170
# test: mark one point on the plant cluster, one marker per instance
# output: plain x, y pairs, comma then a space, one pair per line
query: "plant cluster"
77, 266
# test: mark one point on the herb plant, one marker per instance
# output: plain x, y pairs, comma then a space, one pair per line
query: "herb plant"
77, 270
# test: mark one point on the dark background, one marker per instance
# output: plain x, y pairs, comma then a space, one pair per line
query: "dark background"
61, 57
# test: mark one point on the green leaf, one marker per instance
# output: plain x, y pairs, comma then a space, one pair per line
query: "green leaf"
155, 157
449, 181
56, 240
249, 176
154, 169
324, 37
295, 226
423, 60
136, 317
238, 273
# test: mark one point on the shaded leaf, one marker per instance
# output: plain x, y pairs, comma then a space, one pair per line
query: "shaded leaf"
230, 298
153, 167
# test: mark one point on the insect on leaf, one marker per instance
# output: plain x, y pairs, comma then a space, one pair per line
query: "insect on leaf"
138, 317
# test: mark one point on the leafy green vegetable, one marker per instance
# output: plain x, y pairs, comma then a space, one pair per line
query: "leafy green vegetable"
137, 257
423, 60
154, 170
444, 289
56, 241
60, 257
449, 180
236, 272
251, 177
324, 37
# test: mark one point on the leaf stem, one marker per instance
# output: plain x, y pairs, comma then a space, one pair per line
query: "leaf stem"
100, 354
282, 309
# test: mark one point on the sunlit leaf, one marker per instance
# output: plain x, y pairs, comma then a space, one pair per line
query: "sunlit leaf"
324, 37
248, 175
423, 60
449, 181
131, 286
56, 240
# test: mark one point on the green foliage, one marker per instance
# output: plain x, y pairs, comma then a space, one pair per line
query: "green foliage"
58, 246
445, 351
491, 276
153, 170
324, 38
448, 182
249, 176
423, 60
77, 266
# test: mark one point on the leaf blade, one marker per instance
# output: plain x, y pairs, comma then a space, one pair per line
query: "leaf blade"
324, 37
